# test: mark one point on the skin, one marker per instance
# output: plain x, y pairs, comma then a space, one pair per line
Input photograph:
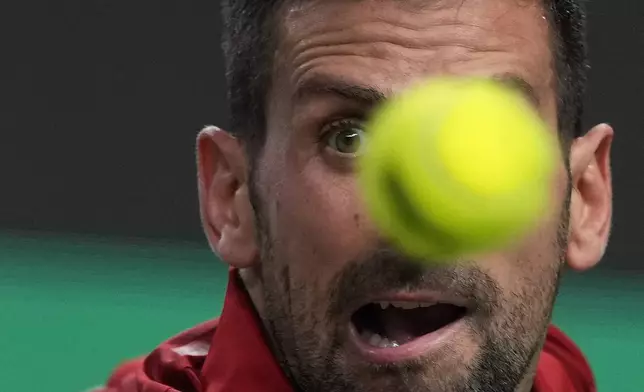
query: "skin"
296, 228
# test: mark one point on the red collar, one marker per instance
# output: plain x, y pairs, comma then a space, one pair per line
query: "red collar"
562, 366
239, 358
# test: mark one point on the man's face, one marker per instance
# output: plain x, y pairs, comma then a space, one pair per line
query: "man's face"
346, 311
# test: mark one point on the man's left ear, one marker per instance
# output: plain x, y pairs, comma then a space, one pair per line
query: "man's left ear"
591, 204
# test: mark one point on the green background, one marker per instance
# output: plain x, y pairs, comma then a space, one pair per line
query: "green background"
72, 308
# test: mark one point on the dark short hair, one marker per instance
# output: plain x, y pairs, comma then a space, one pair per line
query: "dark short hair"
249, 43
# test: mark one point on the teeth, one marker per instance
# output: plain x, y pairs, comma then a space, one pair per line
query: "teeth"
375, 340
386, 343
405, 305
378, 341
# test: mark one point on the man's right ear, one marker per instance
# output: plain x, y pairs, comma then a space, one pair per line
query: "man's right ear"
226, 212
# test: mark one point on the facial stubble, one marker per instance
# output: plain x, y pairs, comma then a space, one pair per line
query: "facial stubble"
313, 362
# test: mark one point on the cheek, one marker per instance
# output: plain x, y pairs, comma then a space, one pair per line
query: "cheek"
317, 221
532, 264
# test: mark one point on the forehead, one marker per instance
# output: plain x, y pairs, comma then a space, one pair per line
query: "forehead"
391, 43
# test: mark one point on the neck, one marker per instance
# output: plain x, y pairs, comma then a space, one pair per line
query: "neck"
527, 383
254, 287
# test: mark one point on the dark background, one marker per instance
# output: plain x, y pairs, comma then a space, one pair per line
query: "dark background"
100, 103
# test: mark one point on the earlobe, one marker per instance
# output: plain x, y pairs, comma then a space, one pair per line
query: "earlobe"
591, 199
226, 212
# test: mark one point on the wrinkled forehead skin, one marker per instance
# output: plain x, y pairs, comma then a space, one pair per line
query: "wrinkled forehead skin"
390, 44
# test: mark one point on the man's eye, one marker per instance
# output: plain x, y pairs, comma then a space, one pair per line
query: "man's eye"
345, 137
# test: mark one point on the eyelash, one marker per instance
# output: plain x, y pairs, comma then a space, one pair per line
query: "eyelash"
336, 125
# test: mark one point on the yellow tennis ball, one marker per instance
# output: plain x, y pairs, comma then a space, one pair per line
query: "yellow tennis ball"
457, 166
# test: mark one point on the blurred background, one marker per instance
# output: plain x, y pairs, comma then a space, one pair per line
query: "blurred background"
101, 252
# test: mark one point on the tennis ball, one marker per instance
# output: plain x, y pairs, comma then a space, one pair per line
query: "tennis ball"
457, 166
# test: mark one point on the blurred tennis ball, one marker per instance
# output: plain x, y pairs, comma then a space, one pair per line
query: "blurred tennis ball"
457, 166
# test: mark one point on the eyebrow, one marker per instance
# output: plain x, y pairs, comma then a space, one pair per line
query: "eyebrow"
364, 94
520, 85
371, 96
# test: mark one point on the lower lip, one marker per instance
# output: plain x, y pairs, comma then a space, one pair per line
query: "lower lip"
423, 345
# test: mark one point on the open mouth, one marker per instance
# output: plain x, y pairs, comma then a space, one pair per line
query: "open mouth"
393, 324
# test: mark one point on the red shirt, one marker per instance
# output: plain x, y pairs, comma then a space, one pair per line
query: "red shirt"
230, 355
